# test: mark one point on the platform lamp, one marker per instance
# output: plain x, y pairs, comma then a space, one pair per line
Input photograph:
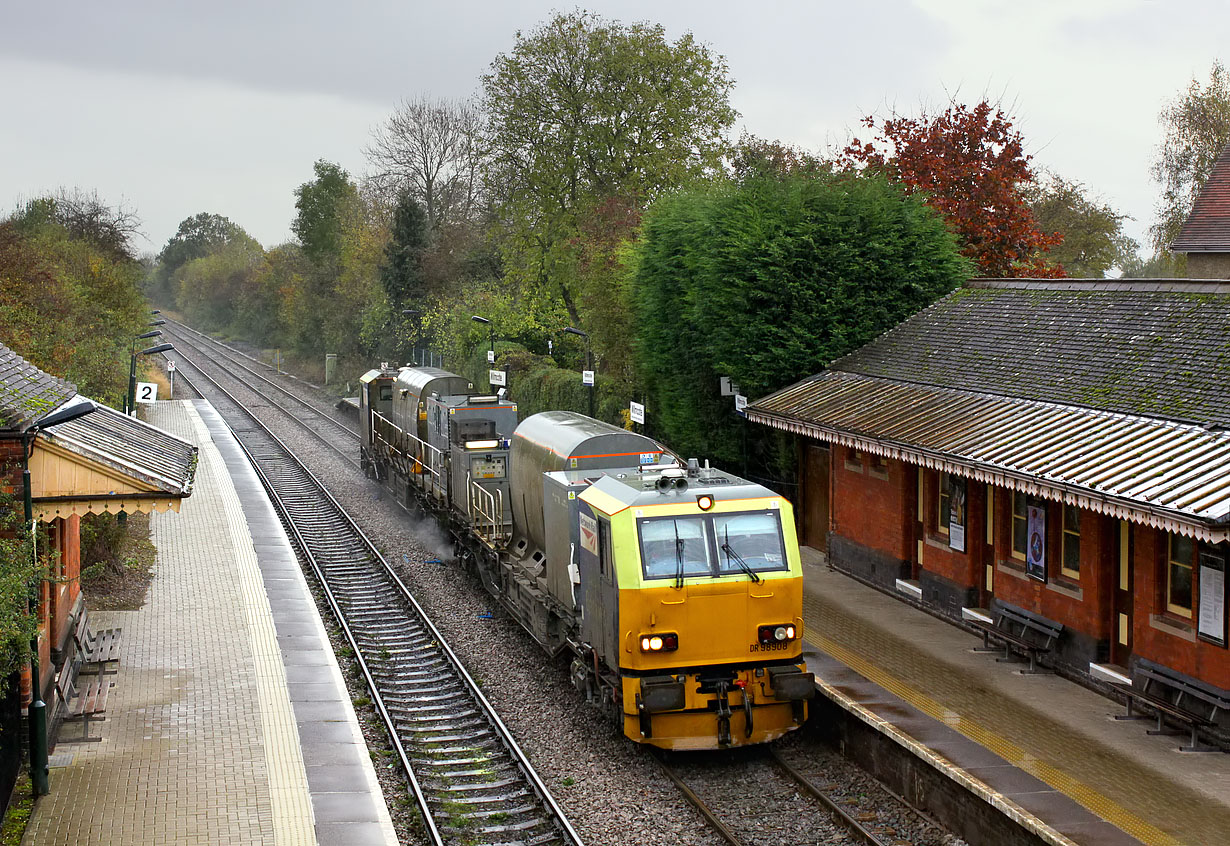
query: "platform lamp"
589, 364
417, 316
491, 333
132, 368
37, 710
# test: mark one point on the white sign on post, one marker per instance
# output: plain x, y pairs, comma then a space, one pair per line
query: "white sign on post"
147, 392
636, 412
740, 403
496, 377
587, 377
491, 356
170, 366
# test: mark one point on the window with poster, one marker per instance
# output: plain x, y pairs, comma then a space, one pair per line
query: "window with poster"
1211, 595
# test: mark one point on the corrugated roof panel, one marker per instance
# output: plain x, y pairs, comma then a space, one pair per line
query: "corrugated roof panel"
1139, 462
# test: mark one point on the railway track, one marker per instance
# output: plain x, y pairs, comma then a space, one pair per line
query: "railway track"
735, 793
469, 778
337, 436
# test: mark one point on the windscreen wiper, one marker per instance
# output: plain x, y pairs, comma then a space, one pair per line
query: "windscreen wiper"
730, 553
678, 557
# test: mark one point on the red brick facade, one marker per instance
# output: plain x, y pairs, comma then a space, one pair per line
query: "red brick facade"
883, 514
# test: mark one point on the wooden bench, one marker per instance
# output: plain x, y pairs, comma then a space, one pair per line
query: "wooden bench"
1020, 631
1180, 699
96, 650
87, 703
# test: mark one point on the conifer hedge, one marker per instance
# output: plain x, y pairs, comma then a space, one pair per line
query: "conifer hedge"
768, 281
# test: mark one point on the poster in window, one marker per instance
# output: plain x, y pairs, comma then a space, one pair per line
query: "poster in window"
1211, 624
956, 513
1035, 549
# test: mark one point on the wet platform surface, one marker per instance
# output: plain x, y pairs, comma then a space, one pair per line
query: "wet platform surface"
229, 721
1040, 747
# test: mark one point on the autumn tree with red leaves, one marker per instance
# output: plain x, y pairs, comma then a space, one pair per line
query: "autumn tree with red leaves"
970, 166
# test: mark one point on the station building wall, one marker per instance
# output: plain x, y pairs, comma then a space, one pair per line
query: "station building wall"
886, 526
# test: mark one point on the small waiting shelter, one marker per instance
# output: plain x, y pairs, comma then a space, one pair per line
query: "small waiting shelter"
1055, 450
72, 457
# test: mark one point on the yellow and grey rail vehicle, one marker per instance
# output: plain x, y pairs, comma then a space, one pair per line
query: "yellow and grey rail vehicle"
675, 589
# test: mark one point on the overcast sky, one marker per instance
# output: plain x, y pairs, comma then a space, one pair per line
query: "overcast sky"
224, 106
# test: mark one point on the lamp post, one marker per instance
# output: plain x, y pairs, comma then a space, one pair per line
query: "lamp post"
131, 408
491, 328
589, 365
417, 316
36, 713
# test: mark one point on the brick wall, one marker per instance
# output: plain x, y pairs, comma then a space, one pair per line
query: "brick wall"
870, 507
1159, 635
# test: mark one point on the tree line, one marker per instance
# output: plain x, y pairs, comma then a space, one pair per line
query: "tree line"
592, 183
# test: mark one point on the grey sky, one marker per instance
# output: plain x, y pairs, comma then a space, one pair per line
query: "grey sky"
223, 107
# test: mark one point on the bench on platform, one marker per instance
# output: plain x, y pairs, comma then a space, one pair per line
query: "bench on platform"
1178, 698
89, 702
96, 650
1017, 630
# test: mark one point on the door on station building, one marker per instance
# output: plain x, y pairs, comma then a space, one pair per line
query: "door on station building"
815, 517
1121, 612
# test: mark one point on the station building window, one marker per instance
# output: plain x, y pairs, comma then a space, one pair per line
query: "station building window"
1020, 525
943, 503
854, 460
1070, 565
1180, 563
878, 466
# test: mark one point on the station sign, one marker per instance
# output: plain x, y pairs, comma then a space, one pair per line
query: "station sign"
497, 377
147, 392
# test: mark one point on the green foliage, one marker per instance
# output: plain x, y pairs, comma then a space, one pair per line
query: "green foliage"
214, 289
68, 305
582, 110
771, 279
101, 538
197, 237
1197, 130
402, 273
321, 210
1093, 239
18, 575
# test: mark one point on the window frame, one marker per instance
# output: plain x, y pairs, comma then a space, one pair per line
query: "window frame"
942, 503
1023, 517
1064, 569
1190, 566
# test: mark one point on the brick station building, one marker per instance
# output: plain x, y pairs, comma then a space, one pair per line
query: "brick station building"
1062, 446
98, 462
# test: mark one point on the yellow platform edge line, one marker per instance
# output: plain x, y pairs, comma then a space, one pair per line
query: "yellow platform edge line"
1093, 800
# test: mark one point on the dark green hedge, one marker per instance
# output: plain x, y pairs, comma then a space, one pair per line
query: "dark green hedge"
768, 281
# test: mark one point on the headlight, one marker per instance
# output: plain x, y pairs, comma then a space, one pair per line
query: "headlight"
777, 634
666, 642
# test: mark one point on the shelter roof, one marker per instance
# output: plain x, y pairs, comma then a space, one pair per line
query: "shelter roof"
101, 461
1207, 228
27, 393
1109, 394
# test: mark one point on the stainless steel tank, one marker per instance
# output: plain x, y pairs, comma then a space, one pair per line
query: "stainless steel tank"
565, 440
415, 384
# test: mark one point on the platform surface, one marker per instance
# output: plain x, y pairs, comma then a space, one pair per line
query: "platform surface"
1041, 746
229, 721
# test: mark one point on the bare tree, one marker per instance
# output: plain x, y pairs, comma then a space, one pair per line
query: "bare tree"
431, 149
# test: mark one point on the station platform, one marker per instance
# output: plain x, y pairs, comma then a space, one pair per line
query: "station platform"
1043, 749
229, 720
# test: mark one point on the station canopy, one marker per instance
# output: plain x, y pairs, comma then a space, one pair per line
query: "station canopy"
1110, 395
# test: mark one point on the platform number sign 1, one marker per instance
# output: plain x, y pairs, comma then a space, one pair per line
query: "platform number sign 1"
147, 392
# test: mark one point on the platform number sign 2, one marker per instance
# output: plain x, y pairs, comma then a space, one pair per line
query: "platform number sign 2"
147, 392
